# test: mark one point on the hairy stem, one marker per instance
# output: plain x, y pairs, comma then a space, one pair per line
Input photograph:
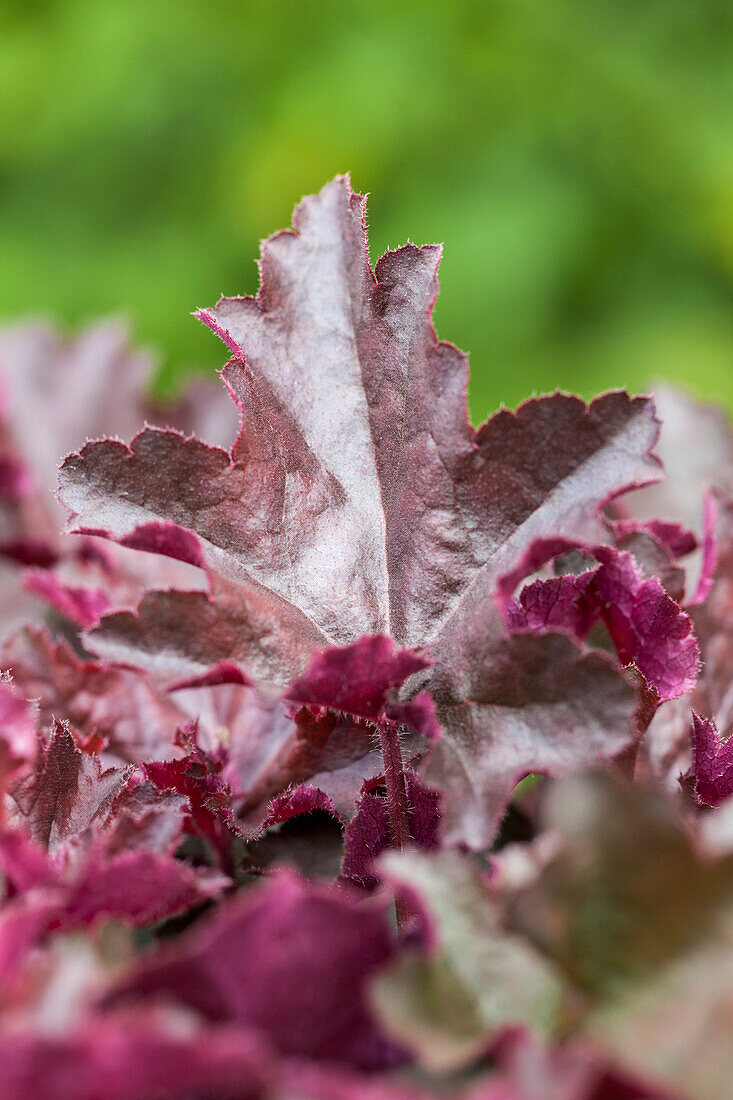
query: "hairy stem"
397, 804
394, 778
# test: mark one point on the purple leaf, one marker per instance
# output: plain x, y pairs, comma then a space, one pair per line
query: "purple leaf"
646, 626
560, 603
358, 500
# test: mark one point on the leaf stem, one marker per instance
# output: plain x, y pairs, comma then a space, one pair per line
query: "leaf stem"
397, 803
645, 710
394, 778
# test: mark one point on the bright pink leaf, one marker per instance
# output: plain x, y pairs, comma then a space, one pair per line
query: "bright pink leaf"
712, 763
83, 606
646, 626
362, 680
18, 724
121, 706
136, 887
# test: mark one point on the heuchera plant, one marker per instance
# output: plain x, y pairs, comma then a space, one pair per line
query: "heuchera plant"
269, 697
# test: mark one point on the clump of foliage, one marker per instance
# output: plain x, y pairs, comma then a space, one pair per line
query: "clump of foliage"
263, 827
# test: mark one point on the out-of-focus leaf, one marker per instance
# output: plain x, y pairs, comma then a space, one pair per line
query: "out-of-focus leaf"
478, 978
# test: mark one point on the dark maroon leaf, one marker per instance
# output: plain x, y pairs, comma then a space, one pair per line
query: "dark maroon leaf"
230, 631
240, 965
292, 803
368, 834
65, 794
197, 776
519, 711
137, 887
140, 1057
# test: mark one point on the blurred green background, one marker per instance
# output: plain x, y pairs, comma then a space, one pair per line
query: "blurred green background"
575, 156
